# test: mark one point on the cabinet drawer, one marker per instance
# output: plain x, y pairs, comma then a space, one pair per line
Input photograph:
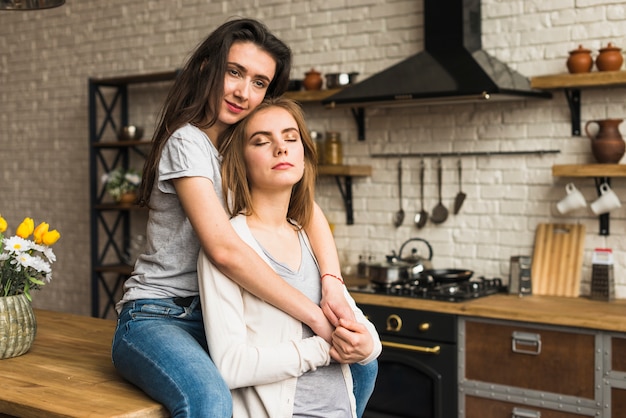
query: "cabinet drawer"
476, 407
618, 349
556, 361
618, 402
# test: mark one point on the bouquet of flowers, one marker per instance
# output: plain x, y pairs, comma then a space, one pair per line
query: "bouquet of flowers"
120, 181
25, 264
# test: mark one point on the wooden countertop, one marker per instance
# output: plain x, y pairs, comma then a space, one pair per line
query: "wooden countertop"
68, 373
551, 310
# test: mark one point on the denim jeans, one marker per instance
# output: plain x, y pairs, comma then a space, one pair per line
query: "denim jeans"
161, 347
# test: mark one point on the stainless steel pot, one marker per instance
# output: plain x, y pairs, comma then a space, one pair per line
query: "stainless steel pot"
392, 271
397, 269
336, 80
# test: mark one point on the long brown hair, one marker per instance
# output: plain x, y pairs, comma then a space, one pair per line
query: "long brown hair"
235, 174
198, 89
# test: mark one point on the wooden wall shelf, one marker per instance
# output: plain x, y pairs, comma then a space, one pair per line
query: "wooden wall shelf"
573, 83
589, 170
307, 96
602, 173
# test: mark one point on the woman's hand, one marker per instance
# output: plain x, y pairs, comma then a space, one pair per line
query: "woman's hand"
334, 303
351, 342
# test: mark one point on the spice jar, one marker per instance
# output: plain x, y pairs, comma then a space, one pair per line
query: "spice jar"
333, 153
318, 145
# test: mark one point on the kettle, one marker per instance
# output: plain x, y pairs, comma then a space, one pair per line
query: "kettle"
417, 263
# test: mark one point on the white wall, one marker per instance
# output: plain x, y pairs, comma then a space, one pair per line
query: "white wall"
46, 58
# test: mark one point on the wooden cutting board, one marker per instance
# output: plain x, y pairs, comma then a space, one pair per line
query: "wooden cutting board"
558, 259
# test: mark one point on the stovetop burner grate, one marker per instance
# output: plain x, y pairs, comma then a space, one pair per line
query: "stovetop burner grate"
449, 292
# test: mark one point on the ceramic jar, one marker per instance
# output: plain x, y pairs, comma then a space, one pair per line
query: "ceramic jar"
607, 145
580, 60
17, 326
313, 80
610, 58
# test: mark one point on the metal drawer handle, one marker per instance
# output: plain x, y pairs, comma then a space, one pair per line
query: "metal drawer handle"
394, 323
429, 350
525, 413
526, 343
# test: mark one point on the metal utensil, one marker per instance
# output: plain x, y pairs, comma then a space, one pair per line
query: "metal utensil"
460, 196
440, 212
422, 216
398, 218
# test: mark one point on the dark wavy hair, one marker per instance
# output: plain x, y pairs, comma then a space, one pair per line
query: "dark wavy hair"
235, 174
197, 92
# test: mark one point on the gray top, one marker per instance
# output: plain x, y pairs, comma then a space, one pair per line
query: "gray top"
320, 393
168, 266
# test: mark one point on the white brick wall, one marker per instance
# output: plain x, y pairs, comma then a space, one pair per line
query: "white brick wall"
47, 56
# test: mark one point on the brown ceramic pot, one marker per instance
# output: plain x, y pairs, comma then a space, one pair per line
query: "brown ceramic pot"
579, 60
313, 80
607, 145
610, 58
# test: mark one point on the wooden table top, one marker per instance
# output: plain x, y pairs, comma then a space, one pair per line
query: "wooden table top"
68, 373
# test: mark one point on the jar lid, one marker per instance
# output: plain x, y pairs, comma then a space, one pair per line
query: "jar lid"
610, 47
580, 49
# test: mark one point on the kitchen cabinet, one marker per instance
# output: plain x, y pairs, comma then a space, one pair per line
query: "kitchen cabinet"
517, 369
572, 85
602, 173
615, 375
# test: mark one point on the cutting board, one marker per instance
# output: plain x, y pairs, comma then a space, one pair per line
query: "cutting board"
558, 259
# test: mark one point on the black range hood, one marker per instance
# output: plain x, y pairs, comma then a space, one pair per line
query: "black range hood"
452, 68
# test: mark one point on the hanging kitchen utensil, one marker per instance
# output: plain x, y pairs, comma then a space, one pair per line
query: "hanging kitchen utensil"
440, 212
460, 196
422, 216
398, 218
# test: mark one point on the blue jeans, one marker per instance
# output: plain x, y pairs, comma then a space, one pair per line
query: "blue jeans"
161, 347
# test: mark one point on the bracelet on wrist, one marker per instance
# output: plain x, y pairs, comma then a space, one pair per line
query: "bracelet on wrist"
332, 275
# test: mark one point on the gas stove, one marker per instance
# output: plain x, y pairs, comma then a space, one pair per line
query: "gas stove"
449, 292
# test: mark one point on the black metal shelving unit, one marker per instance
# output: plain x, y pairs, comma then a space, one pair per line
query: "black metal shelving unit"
110, 223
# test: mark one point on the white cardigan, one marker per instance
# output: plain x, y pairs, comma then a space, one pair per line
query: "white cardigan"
257, 348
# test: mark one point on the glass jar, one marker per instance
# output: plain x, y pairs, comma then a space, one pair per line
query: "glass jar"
333, 153
318, 145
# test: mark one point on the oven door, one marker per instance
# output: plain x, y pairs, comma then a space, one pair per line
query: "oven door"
416, 379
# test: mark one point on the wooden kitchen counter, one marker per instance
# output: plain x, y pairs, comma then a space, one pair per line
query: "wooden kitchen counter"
552, 310
68, 373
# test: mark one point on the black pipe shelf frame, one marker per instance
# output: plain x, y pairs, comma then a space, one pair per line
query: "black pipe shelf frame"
110, 223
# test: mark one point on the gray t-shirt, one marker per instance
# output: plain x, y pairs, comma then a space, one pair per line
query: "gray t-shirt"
168, 266
321, 393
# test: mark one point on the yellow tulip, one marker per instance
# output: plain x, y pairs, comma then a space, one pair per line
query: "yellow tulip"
26, 228
50, 237
3, 224
39, 232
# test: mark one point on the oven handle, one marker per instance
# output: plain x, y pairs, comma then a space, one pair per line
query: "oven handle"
420, 349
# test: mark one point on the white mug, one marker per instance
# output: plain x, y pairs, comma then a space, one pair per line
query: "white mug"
607, 201
574, 200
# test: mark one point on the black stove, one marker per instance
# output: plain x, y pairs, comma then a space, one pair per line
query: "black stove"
458, 291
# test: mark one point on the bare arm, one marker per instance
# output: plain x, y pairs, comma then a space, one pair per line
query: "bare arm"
237, 260
333, 303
